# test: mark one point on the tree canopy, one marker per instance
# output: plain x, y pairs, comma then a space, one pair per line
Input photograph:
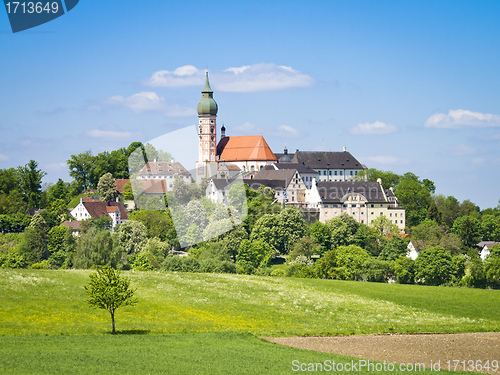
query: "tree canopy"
108, 290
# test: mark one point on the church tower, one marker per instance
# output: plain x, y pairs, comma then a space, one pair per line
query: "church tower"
206, 166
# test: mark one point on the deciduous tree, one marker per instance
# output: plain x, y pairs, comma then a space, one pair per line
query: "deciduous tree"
108, 290
434, 266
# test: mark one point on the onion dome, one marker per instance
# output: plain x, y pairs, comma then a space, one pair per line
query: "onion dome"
207, 105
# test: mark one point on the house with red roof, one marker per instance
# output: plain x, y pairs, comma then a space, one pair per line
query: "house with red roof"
92, 208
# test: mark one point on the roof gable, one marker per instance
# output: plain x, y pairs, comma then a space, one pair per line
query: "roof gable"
98, 209
243, 148
120, 184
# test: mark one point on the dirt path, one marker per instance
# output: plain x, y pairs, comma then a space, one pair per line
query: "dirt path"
415, 348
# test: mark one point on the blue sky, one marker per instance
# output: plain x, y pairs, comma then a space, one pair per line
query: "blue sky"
405, 86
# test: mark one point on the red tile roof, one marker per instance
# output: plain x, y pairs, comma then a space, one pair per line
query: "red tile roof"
120, 184
98, 209
242, 148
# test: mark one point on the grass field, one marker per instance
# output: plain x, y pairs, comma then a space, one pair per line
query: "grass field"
201, 353
45, 321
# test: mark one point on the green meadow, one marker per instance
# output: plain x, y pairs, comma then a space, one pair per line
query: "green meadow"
183, 320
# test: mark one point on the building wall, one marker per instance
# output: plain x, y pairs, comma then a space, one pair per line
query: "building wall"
363, 212
337, 174
80, 212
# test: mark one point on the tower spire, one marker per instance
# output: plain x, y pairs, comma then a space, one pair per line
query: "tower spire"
207, 88
207, 133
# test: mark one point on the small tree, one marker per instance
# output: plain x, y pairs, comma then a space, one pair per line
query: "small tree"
108, 290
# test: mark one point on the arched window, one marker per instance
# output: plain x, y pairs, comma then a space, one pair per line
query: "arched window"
252, 168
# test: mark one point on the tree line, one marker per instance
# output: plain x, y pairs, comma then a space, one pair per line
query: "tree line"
270, 240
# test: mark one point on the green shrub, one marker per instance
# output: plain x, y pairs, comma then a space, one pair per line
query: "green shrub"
190, 264
279, 272
300, 270
325, 266
492, 271
266, 271
404, 269
43, 265
225, 267
255, 254
56, 260
172, 263
458, 262
141, 262
376, 270
14, 259
474, 274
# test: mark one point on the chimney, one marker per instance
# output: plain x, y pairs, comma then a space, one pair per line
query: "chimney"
345, 149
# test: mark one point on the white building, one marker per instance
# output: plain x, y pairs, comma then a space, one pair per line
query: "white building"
89, 208
364, 201
330, 165
485, 247
412, 253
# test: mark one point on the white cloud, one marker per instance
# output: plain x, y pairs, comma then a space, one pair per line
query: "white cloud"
378, 127
478, 161
112, 134
460, 118
187, 75
260, 77
140, 102
148, 101
291, 131
287, 132
247, 78
459, 150
3, 157
241, 69
247, 128
387, 160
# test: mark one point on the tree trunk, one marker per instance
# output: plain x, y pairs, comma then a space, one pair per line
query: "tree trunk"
113, 322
